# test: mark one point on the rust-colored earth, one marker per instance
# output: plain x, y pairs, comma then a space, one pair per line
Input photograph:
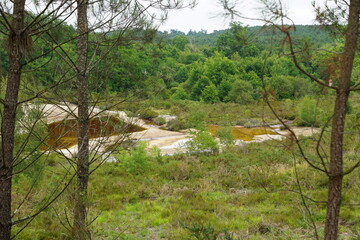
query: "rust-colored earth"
242, 133
63, 134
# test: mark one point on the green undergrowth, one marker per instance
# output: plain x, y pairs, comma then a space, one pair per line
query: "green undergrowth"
307, 111
247, 192
242, 193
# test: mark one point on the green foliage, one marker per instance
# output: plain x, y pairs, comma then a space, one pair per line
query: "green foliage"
203, 143
130, 68
150, 69
137, 160
241, 92
31, 160
146, 195
210, 94
160, 121
201, 232
195, 73
289, 111
349, 107
154, 88
180, 94
182, 74
282, 86
236, 40
283, 66
219, 68
175, 125
197, 118
199, 86
310, 113
286, 87
191, 57
225, 136
254, 79
180, 42
148, 114
223, 89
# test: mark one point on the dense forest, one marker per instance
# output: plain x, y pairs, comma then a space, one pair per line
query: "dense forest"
136, 133
229, 64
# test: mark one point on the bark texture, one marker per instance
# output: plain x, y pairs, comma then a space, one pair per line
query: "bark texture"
80, 230
337, 134
17, 46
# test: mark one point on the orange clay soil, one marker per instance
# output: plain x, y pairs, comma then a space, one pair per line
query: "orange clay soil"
63, 134
242, 133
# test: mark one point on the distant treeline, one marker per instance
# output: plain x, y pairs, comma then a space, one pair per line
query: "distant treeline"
234, 65
261, 35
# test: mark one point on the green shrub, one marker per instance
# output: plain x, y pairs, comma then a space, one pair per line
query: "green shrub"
202, 142
201, 232
241, 92
180, 94
289, 113
225, 136
247, 113
210, 94
160, 121
148, 114
167, 105
309, 113
137, 160
175, 125
196, 118
176, 170
283, 86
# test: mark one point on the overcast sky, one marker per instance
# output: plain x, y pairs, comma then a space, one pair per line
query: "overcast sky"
207, 15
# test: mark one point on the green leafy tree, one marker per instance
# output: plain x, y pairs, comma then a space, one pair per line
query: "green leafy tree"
210, 94
191, 57
219, 68
283, 66
202, 142
180, 42
199, 87
182, 74
196, 72
241, 92
223, 89
236, 40
282, 86
290, 87
309, 113
180, 94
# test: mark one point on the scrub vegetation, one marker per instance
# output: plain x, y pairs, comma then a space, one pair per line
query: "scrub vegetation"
222, 88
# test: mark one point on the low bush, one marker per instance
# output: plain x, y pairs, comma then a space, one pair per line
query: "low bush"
148, 114
175, 125
202, 142
137, 160
310, 113
159, 121
225, 136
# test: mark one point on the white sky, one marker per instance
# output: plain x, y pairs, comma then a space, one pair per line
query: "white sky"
207, 15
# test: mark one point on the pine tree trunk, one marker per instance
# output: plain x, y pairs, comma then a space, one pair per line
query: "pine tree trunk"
80, 230
16, 48
337, 134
